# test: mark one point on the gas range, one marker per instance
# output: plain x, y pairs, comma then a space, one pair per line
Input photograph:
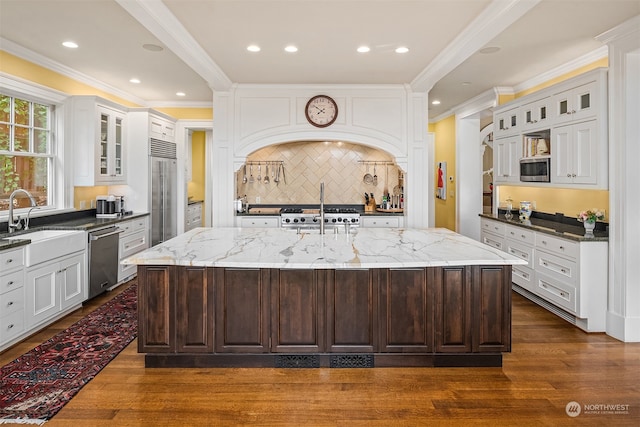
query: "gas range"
310, 218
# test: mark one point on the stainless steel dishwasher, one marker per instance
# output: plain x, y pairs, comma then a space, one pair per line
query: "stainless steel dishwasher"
103, 259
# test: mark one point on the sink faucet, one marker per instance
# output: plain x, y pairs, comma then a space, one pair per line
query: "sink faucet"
14, 225
322, 208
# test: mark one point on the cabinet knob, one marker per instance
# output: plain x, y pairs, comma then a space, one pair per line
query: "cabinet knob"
10, 283
9, 261
10, 303
562, 248
568, 175
563, 270
10, 326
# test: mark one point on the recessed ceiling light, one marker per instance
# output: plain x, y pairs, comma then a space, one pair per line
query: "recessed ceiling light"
291, 49
466, 83
152, 47
134, 80
402, 49
70, 44
363, 49
253, 48
489, 49
181, 94
435, 102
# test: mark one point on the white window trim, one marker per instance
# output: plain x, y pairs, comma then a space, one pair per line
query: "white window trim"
63, 179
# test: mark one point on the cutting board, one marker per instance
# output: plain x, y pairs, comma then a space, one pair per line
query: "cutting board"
265, 211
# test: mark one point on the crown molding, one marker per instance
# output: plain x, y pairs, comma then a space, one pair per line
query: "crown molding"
589, 58
158, 19
178, 104
41, 60
627, 28
499, 15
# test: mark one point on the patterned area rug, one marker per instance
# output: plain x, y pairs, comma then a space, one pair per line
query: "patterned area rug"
35, 386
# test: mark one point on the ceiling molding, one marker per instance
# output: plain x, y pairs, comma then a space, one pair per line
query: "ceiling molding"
178, 104
499, 15
584, 60
160, 22
37, 59
629, 27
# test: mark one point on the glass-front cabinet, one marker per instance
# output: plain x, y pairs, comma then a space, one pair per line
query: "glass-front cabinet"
98, 130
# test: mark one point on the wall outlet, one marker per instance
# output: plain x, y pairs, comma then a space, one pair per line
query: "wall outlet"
257, 199
93, 203
83, 204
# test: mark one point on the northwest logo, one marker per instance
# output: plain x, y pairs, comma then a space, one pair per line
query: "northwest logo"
573, 409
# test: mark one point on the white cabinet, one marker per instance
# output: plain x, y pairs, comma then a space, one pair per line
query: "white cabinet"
575, 154
578, 103
259, 221
194, 216
381, 221
507, 122
536, 114
133, 239
162, 129
12, 313
492, 233
571, 275
54, 287
506, 159
97, 128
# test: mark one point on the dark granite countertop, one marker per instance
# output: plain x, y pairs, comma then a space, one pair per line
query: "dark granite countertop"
78, 220
555, 225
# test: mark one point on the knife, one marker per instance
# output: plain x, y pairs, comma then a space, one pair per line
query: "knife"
366, 198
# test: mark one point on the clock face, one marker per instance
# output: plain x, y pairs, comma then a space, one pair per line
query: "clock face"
321, 111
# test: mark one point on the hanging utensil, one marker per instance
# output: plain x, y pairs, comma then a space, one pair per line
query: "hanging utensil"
266, 175
244, 178
259, 176
367, 179
251, 179
375, 176
284, 178
276, 179
386, 180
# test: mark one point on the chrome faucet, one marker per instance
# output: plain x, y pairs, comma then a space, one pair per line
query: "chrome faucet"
322, 208
15, 225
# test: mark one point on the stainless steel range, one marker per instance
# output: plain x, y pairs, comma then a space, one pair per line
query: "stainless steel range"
310, 218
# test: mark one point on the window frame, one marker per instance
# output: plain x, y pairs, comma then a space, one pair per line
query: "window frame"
60, 196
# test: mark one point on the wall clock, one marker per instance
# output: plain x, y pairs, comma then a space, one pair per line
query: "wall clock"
321, 111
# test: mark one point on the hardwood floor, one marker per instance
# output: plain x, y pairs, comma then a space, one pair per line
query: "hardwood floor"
552, 364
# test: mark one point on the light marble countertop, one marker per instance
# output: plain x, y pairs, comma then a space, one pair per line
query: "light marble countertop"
284, 248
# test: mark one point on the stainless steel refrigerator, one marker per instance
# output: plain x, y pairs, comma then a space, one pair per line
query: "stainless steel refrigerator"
164, 188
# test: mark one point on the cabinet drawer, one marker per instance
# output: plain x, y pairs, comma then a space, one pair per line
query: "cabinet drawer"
557, 267
520, 234
559, 246
11, 259
520, 250
133, 225
133, 244
260, 222
492, 240
11, 281
12, 301
562, 294
523, 276
11, 325
380, 222
492, 226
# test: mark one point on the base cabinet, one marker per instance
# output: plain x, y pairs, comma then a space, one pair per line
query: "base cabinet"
238, 316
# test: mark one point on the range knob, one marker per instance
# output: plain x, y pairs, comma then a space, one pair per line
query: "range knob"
339, 219
287, 220
354, 219
295, 220
315, 219
333, 220
301, 219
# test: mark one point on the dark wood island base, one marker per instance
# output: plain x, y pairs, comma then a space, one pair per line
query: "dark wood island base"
292, 318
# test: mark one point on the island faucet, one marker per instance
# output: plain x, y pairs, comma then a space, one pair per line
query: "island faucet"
14, 225
322, 208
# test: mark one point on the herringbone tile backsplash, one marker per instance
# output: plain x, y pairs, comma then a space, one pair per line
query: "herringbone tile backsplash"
307, 164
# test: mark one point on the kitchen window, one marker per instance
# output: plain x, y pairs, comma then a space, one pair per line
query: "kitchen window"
27, 155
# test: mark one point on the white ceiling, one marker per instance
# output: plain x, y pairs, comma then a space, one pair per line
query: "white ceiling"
205, 42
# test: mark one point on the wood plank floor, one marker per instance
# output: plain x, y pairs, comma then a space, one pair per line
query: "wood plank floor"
552, 364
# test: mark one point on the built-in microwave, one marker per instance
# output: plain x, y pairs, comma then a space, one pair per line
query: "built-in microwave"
535, 169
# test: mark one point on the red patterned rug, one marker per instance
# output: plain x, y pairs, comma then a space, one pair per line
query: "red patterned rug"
35, 386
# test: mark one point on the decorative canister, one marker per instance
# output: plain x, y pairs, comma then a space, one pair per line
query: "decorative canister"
525, 210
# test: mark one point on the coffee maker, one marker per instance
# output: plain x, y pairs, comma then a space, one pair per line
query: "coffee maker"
107, 207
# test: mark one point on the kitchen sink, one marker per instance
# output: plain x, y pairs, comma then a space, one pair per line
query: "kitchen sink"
50, 244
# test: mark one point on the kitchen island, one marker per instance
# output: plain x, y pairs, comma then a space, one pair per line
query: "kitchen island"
268, 297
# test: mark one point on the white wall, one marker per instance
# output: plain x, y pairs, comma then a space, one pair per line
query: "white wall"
390, 118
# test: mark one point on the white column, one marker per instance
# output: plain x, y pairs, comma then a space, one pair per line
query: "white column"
220, 164
623, 316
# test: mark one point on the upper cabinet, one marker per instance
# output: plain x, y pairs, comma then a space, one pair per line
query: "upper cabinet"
98, 130
162, 129
566, 123
507, 123
578, 103
536, 114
